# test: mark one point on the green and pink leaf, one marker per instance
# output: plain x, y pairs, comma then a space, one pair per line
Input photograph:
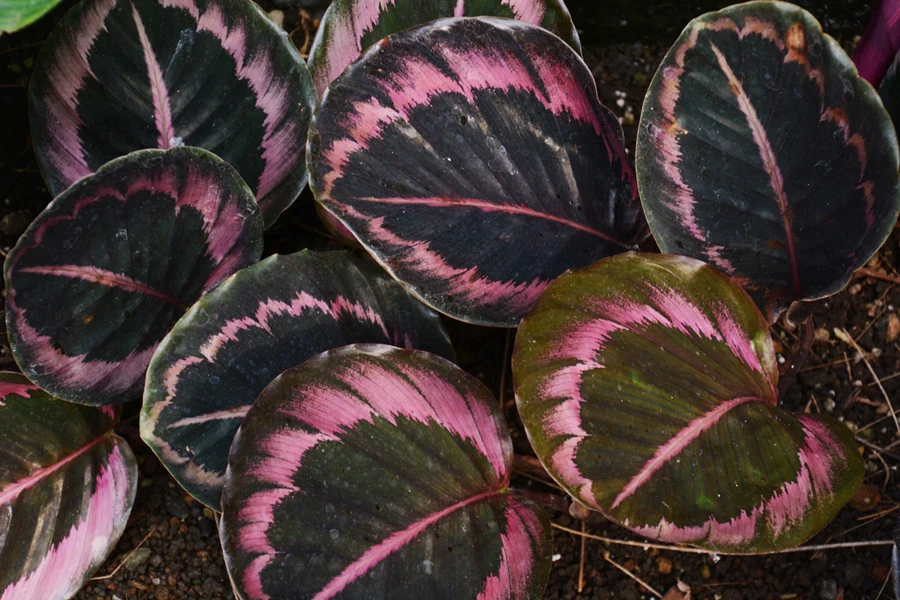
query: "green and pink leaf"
262, 321
386, 470
101, 275
350, 26
441, 170
761, 151
117, 76
67, 484
648, 388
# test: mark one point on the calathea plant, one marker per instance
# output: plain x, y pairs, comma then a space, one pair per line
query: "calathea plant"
305, 396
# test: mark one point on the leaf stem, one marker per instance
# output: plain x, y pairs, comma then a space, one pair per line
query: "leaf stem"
546, 499
790, 373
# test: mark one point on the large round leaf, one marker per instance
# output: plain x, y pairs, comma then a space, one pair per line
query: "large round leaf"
101, 275
238, 338
374, 472
763, 152
473, 159
647, 385
122, 75
67, 484
351, 26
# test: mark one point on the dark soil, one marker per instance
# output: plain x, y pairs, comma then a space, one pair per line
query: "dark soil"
170, 549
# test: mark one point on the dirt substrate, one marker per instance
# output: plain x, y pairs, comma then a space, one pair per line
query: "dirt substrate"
170, 549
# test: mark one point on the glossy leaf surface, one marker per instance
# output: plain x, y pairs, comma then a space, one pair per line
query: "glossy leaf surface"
880, 42
67, 484
375, 472
265, 319
647, 385
16, 14
102, 275
473, 159
761, 151
122, 75
351, 26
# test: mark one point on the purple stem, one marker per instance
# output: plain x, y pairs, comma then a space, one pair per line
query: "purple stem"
790, 373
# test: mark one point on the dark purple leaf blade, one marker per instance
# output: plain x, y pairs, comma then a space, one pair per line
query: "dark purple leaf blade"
761, 151
101, 275
117, 76
375, 472
475, 187
67, 484
879, 43
265, 319
351, 26
648, 387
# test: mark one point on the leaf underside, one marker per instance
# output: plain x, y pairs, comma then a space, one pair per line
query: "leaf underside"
265, 319
117, 76
371, 471
762, 152
103, 273
475, 187
648, 388
67, 484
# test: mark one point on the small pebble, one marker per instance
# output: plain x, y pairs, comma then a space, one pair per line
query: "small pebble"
139, 557
177, 508
663, 565
828, 590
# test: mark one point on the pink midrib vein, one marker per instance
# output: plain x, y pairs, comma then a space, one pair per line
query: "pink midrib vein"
776, 181
493, 207
397, 540
679, 442
162, 110
102, 277
13, 491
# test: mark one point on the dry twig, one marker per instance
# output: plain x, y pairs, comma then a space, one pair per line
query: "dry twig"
124, 560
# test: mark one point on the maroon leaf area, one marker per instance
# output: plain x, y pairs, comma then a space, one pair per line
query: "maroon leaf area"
880, 42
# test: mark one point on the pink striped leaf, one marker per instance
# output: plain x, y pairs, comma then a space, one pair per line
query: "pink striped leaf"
351, 26
102, 275
648, 387
880, 42
67, 483
117, 76
375, 472
472, 158
263, 320
762, 152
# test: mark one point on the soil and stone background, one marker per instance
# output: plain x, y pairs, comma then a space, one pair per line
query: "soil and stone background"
170, 549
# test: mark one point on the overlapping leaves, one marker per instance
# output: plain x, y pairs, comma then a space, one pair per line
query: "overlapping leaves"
351, 26
117, 76
265, 319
